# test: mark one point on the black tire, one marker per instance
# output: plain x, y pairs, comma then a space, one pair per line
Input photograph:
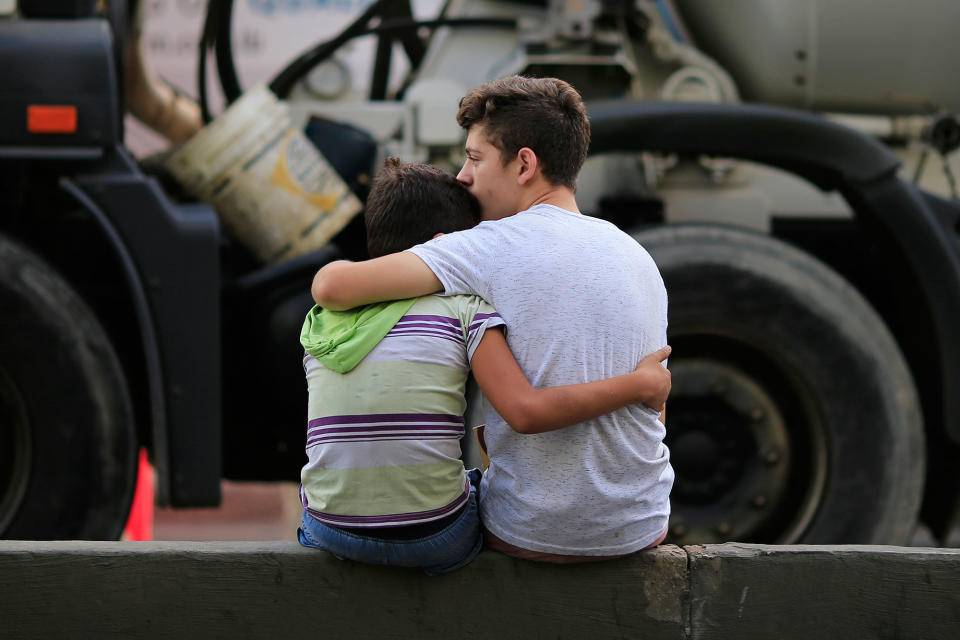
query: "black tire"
793, 416
67, 440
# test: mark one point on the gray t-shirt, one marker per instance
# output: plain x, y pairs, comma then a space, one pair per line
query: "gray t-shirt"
584, 301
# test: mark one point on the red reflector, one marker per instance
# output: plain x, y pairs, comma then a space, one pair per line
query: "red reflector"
51, 119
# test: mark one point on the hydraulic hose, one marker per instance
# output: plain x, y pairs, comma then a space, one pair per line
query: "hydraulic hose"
217, 35
151, 100
284, 81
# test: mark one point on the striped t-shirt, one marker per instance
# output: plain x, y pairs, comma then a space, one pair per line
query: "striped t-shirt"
383, 440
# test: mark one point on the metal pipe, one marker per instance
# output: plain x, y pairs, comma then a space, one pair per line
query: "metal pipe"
152, 101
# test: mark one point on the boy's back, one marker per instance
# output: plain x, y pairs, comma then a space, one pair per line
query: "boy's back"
583, 301
383, 438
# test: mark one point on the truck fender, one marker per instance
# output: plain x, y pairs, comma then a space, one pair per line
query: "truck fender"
833, 157
148, 333
170, 258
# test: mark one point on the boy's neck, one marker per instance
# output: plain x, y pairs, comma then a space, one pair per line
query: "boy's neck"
562, 197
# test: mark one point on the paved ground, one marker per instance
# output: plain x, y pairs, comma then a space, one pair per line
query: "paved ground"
271, 511
250, 511
264, 512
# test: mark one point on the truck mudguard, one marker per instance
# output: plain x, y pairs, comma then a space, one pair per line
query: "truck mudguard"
833, 157
177, 301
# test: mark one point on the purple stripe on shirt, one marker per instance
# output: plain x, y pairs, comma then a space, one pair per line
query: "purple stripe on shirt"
388, 435
375, 437
383, 427
443, 319
428, 330
480, 317
386, 417
424, 334
429, 325
384, 438
472, 342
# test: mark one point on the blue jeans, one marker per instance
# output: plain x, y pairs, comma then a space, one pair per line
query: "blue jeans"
444, 551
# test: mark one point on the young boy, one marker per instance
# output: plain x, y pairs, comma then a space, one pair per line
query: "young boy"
384, 482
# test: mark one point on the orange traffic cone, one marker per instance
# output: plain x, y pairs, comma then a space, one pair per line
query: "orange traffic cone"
140, 521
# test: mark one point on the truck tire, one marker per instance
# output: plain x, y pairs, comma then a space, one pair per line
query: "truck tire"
793, 417
67, 440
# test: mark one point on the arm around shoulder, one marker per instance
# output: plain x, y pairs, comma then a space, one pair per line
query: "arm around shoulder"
343, 284
329, 283
528, 410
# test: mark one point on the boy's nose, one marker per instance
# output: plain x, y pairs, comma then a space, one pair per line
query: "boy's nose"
464, 176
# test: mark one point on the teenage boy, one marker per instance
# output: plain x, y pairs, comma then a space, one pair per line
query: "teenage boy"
384, 482
583, 301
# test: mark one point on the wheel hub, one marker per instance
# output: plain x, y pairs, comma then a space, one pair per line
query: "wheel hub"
729, 450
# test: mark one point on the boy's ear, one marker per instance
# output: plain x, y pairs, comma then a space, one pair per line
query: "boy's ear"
528, 165
436, 235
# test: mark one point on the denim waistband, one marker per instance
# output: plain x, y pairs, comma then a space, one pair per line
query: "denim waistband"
406, 532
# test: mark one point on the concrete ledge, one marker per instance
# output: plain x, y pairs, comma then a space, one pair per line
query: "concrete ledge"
760, 591
220, 589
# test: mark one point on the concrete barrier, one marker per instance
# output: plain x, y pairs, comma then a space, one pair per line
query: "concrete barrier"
759, 591
229, 589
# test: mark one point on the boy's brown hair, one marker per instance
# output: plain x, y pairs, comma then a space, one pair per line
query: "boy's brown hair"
544, 114
410, 203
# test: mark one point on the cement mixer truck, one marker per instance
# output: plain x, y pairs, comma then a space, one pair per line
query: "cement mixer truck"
775, 158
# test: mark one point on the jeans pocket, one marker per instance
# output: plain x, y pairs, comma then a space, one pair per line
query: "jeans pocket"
304, 537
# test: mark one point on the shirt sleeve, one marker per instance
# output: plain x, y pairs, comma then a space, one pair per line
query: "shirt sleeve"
478, 316
462, 260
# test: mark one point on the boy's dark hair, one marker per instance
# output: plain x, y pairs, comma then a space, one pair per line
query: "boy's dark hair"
410, 203
545, 114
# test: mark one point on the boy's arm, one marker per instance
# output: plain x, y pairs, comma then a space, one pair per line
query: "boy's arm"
343, 284
528, 410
